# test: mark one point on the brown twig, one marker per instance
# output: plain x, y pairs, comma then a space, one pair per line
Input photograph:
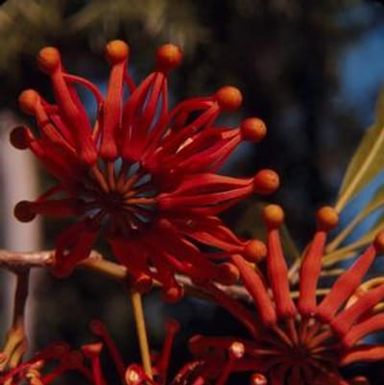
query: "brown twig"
95, 262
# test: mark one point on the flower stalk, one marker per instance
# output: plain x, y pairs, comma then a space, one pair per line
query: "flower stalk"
138, 313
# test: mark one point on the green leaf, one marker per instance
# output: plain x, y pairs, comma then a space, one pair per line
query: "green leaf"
350, 250
374, 204
377, 202
367, 161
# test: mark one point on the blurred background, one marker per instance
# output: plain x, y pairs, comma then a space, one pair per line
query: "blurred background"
312, 70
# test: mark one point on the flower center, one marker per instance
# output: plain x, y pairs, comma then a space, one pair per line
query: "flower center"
119, 196
305, 344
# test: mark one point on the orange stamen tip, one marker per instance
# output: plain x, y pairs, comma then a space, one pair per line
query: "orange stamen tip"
255, 251
28, 100
258, 379
91, 350
266, 182
379, 242
236, 350
168, 57
48, 59
116, 51
229, 98
173, 294
253, 129
18, 138
229, 274
23, 211
273, 215
327, 218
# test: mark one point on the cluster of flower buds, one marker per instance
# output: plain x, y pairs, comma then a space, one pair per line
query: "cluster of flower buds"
143, 175
303, 342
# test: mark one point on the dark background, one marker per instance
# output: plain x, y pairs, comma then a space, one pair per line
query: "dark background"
311, 70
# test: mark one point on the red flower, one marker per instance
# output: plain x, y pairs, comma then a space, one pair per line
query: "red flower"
303, 342
142, 174
58, 359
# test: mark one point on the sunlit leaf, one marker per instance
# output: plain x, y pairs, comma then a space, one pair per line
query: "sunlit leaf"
350, 250
377, 202
367, 161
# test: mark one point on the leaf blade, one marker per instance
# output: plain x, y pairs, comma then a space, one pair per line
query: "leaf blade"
368, 160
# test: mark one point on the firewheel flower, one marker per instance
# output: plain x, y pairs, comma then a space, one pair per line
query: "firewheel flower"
143, 176
58, 359
303, 342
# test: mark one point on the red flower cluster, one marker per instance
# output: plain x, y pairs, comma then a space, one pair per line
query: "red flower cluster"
303, 343
58, 359
143, 175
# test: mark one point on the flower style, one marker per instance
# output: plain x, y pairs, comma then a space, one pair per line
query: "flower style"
303, 342
142, 175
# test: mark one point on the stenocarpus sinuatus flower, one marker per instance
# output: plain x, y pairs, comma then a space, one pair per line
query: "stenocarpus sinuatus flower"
303, 342
143, 175
58, 359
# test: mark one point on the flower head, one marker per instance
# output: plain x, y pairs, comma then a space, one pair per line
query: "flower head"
304, 342
143, 175
58, 359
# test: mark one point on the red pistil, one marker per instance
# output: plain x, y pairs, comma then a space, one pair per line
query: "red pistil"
345, 285
277, 267
99, 329
327, 219
162, 363
258, 291
92, 351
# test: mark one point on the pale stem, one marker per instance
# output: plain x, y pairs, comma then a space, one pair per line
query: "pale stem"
21, 295
95, 262
16, 342
141, 330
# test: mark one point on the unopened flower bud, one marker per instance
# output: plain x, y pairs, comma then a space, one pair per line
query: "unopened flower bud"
273, 216
255, 251
28, 100
116, 51
168, 57
48, 59
266, 182
18, 138
229, 98
23, 211
173, 294
327, 218
253, 129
